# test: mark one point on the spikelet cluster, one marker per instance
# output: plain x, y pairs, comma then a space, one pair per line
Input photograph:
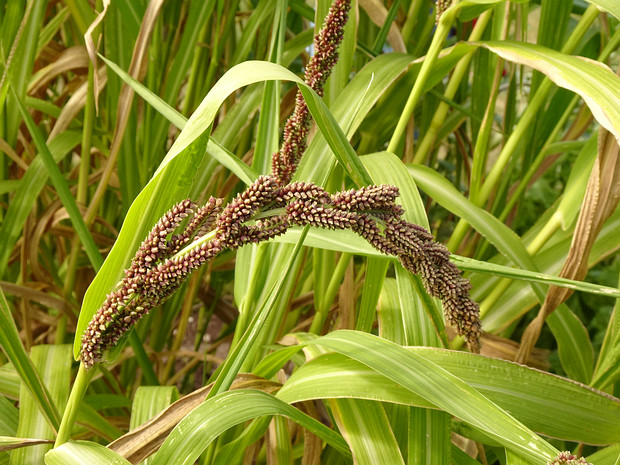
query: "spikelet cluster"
154, 274
372, 213
442, 5
284, 162
266, 209
566, 458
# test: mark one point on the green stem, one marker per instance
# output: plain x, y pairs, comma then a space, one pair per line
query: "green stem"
455, 81
250, 297
413, 15
479, 158
206, 238
80, 386
330, 294
143, 359
443, 28
519, 133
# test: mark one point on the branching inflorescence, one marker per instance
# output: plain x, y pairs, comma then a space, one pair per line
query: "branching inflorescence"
266, 209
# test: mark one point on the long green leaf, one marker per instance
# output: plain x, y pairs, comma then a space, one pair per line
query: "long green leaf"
441, 389
54, 364
347, 241
592, 80
366, 428
215, 149
205, 423
15, 352
28, 192
608, 5
62, 188
546, 403
81, 452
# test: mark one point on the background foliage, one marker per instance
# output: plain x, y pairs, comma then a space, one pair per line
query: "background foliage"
499, 124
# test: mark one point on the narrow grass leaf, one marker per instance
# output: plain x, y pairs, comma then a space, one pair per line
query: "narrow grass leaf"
273, 362
16, 354
205, 423
608, 5
536, 399
347, 241
607, 368
607, 456
81, 452
215, 149
441, 389
470, 264
430, 437
234, 451
376, 268
54, 365
263, 11
9, 417
20, 60
513, 459
518, 299
279, 447
496, 232
9, 443
367, 430
577, 358
30, 187
592, 80
9, 381
148, 401
62, 189
94, 421
459, 457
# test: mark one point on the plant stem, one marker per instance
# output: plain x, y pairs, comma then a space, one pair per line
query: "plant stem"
143, 359
330, 294
455, 81
443, 28
413, 15
192, 290
80, 386
518, 135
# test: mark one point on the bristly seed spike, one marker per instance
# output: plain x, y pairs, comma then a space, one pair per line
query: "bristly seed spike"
266, 209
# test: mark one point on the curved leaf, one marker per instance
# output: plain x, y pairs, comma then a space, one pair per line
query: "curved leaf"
546, 403
213, 417
592, 80
81, 452
441, 389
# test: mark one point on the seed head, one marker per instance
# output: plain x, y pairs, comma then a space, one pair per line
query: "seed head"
566, 458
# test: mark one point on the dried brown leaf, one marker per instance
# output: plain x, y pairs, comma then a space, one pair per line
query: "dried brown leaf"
377, 13
143, 441
600, 201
